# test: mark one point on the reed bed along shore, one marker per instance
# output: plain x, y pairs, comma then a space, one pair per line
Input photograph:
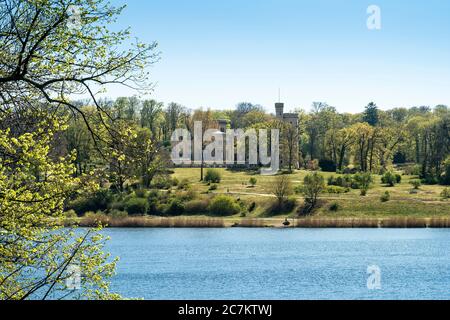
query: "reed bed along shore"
251, 223
148, 222
209, 222
397, 222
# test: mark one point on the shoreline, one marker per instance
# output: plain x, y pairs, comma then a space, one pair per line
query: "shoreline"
273, 223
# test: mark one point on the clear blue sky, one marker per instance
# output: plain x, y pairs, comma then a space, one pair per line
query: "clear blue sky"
217, 53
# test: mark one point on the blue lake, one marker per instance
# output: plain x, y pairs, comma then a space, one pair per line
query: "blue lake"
280, 264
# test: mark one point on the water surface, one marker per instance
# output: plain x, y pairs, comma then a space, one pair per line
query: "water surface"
280, 264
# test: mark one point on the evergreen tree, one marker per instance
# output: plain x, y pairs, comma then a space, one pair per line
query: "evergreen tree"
371, 114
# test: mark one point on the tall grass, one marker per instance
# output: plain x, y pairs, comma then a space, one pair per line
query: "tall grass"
312, 222
150, 222
394, 222
337, 223
252, 223
439, 223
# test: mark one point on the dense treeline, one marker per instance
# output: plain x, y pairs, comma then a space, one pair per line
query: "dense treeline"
418, 138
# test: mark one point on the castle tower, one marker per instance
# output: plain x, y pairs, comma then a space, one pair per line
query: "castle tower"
292, 146
279, 110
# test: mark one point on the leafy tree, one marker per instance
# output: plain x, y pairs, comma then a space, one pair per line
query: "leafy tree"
253, 117
446, 175
390, 140
173, 116
148, 159
46, 59
321, 118
151, 115
363, 135
290, 137
44, 63
313, 185
36, 255
241, 119
340, 142
282, 189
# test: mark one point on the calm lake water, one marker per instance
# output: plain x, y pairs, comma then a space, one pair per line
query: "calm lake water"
287, 264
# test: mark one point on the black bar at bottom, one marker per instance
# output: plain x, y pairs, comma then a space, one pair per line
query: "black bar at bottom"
227, 309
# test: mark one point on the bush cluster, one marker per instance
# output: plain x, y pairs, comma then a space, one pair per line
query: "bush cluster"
445, 194
391, 178
346, 181
213, 176
385, 197
224, 206
157, 203
99, 200
336, 190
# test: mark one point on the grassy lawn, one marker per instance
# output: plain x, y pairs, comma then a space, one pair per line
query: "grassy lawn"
426, 203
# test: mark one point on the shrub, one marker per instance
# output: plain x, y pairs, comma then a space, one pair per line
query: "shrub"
213, 176
136, 206
162, 182
159, 209
70, 214
336, 190
416, 184
341, 181
253, 181
334, 207
175, 181
386, 197
298, 189
327, 165
350, 170
289, 204
196, 207
364, 180
175, 208
213, 187
224, 206
90, 214
188, 195
153, 199
118, 205
431, 180
184, 184
332, 181
141, 193
390, 178
118, 214
445, 194
99, 200
412, 170
252, 207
